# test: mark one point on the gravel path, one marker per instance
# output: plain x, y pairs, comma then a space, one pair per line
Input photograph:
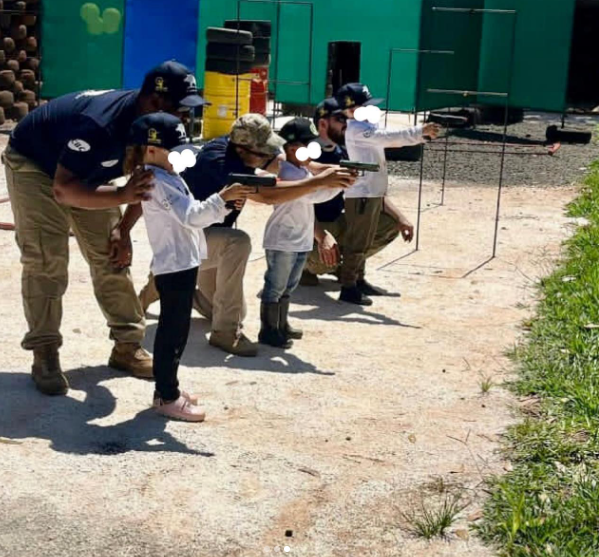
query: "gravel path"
565, 168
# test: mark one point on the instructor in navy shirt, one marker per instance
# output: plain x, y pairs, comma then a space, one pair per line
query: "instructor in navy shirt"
59, 163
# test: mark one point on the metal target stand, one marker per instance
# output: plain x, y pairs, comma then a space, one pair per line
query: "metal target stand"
277, 108
466, 93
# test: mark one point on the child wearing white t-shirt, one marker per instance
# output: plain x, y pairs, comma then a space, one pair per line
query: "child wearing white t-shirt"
174, 222
289, 238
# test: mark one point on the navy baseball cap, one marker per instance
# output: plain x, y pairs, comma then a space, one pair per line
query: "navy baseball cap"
355, 94
158, 129
299, 130
174, 81
326, 108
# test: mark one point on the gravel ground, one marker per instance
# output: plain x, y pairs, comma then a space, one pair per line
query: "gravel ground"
565, 168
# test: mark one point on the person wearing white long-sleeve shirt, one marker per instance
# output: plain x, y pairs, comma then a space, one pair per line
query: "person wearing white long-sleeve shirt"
174, 223
288, 237
366, 142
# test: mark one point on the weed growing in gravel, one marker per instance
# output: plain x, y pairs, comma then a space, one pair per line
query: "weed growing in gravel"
548, 506
486, 384
429, 522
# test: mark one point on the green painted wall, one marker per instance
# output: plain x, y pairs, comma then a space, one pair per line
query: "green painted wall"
449, 31
380, 26
82, 45
543, 38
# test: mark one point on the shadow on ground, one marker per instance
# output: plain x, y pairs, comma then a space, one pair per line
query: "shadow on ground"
65, 421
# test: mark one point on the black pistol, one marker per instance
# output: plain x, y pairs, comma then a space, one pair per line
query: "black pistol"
361, 167
266, 181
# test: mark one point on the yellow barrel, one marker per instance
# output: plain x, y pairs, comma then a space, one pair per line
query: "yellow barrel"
220, 90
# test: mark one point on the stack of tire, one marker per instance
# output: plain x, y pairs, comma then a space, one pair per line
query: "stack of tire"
261, 31
19, 58
230, 57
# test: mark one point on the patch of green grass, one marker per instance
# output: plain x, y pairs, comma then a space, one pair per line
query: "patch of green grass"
430, 522
548, 506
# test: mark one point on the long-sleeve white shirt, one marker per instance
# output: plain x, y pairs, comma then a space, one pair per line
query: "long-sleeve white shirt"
175, 223
366, 142
290, 228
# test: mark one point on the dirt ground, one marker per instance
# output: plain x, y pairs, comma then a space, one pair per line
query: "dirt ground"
376, 411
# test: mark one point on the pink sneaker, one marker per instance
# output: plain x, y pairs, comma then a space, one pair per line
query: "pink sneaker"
193, 399
181, 409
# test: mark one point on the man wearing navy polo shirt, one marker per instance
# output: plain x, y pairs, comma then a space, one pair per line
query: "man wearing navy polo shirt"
58, 163
330, 226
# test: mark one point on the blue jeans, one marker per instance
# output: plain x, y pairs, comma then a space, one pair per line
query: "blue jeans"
283, 274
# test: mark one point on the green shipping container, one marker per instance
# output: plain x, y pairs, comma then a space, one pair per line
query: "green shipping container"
542, 34
82, 46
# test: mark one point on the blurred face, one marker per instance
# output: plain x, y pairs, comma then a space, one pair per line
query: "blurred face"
291, 153
253, 159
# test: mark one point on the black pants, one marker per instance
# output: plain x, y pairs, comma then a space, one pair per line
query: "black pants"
176, 292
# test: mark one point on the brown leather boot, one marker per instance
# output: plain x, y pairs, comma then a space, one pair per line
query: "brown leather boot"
234, 343
131, 358
46, 372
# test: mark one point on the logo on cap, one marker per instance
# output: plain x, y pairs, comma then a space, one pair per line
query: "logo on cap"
153, 137
192, 86
160, 88
322, 111
349, 102
182, 133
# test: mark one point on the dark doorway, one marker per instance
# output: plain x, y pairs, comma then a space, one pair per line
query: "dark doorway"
583, 90
344, 65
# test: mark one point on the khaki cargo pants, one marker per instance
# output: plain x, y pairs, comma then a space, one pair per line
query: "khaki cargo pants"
42, 234
219, 296
386, 232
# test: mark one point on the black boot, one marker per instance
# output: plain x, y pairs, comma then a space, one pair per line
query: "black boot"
368, 289
284, 326
269, 332
353, 295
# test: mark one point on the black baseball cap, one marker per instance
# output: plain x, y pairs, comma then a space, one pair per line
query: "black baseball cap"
326, 108
299, 130
355, 94
158, 129
174, 81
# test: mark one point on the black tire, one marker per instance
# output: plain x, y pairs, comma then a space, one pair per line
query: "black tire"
261, 60
7, 99
245, 53
412, 153
262, 45
229, 67
7, 79
258, 28
19, 111
573, 136
229, 36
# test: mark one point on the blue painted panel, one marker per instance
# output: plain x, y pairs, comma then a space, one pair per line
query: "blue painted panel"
155, 31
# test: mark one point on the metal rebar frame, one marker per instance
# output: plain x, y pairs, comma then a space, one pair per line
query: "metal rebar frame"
466, 93
277, 110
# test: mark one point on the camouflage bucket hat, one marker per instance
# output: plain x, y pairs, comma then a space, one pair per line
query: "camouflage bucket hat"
254, 132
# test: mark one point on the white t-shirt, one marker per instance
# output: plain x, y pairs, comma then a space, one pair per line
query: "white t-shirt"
366, 142
174, 221
290, 228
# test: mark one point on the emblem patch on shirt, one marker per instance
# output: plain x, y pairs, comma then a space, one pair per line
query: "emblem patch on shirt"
110, 164
79, 145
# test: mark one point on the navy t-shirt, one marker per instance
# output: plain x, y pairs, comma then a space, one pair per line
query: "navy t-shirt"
331, 210
215, 161
85, 132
